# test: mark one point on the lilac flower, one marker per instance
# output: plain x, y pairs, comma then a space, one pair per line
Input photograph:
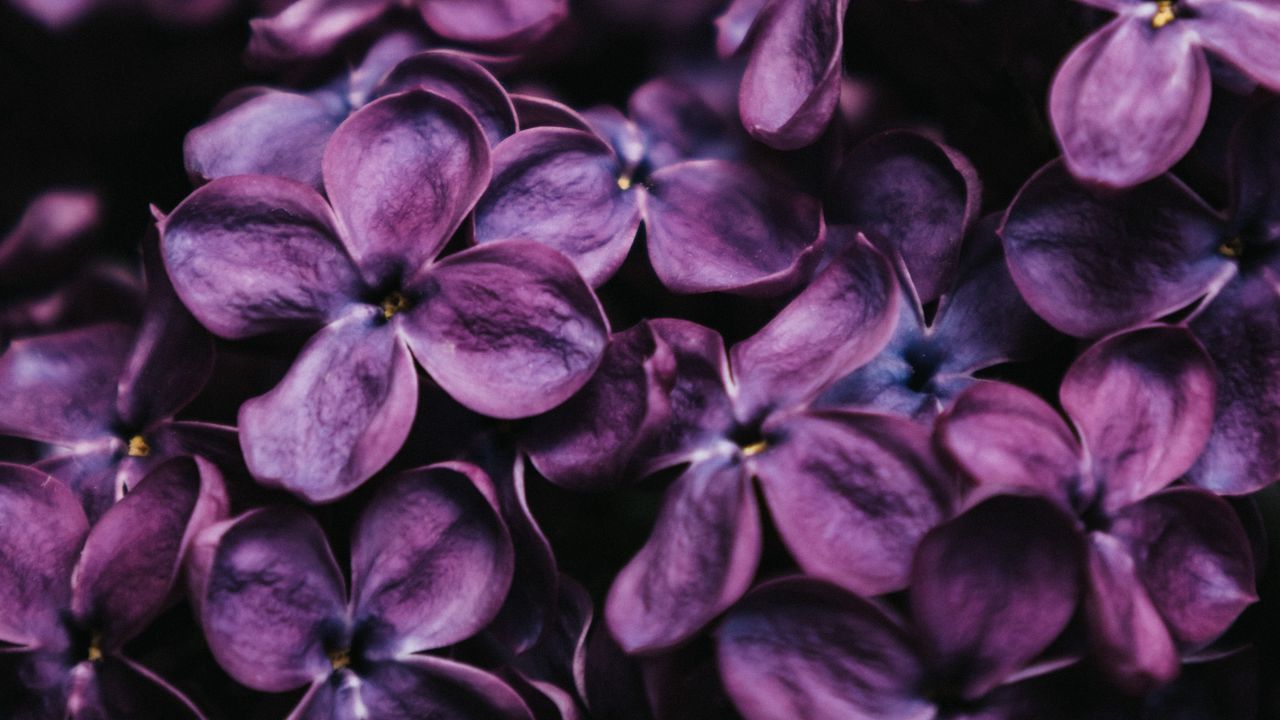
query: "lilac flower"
712, 223
73, 597
1168, 569
508, 329
1091, 264
990, 590
1130, 100
430, 565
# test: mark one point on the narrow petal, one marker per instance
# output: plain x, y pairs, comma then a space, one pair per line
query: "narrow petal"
1090, 264
561, 188
269, 595
1245, 33
508, 329
428, 687
41, 530
699, 559
792, 81
339, 415
1143, 403
993, 588
735, 23
501, 23
309, 28
250, 254
720, 226
402, 173
838, 323
799, 648
431, 561
1129, 101
852, 494
454, 76
531, 604
61, 388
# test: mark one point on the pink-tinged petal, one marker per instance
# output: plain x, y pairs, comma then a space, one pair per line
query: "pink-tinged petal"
1143, 403
339, 415
56, 15
430, 558
561, 188
715, 225
699, 559
993, 588
421, 686
1193, 556
94, 474
1090, 264
1241, 330
1245, 33
838, 323
799, 648
792, 81
132, 559
1129, 638
1005, 437
309, 28
499, 23
677, 124
508, 329
251, 253
852, 494
276, 133
701, 410
268, 596
1129, 101
116, 687
454, 76
534, 111
735, 23
590, 442
41, 530
51, 233
61, 388
912, 194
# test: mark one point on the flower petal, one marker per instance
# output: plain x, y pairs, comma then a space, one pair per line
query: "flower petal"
721, 226
560, 187
1245, 33
1129, 101
699, 559
309, 28
851, 495
701, 411
455, 77
53, 229
339, 415
422, 686
1091, 264
501, 23
1255, 162
508, 329
95, 475
1143, 403
531, 603
402, 172
534, 111
431, 561
735, 23
677, 124
251, 253
116, 687
797, 647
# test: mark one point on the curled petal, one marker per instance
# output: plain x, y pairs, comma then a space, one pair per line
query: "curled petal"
1128, 103
454, 76
508, 329
534, 111
531, 603
309, 28
701, 411
733, 26
1245, 33
501, 23
428, 687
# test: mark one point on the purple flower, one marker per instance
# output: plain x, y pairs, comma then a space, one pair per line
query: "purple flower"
431, 563
508, 329
73, 597
1168, 569
1130, 100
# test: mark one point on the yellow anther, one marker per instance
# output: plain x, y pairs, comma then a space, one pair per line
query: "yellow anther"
394, 303
1164, 14
95, 648
754, 448
1232, 248
340, 659
138, 447
624, 182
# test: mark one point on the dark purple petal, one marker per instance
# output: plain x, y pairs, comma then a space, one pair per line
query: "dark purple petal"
267, 596
1192, 555
733, 25
454, 76
1143, 403
1129, 101
799, 648
96, 475
1245, 33
531, 603
250, 254
677, 124
914, 195
339, 415
715, 225
41, 530
622, 134
430, 558
701, 410
699, 559
840, 321
534, 111
116, 687
402, 173
310, 28
504, 23
852, 494
993, 588
792, 81
1090, 264
391, 47
561, 188
428, 687
508, 329
1255, 159
52, 230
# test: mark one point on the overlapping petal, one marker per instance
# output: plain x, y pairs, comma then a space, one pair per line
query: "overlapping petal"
502, 23
454, 76
310, 28
1245, 33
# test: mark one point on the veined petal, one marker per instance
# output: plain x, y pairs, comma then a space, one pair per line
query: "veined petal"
534, 111
454, 76
701, 410
309, 28
501, 23
422, 686
677, 124
1245, 33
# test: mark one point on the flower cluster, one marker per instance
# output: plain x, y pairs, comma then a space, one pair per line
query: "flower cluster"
463, 383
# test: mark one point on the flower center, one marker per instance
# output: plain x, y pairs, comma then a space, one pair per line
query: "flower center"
393, 303
624, 182
339, 658
95, 648
1164, 14
138, 447
755, 448
1232, 248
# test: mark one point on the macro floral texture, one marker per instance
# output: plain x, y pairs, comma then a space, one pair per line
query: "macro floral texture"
640, 360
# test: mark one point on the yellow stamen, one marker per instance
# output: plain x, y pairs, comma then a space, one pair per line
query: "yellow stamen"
138, 447
95, 648
754, 448
1164, 14
340, 659
1232, 248
394, 303
624, 182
